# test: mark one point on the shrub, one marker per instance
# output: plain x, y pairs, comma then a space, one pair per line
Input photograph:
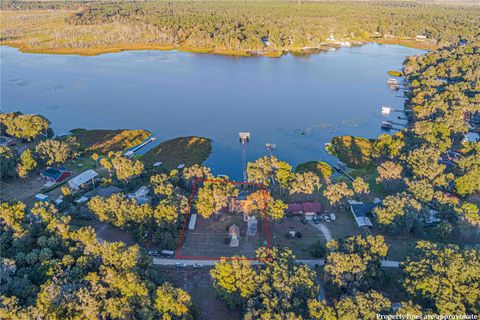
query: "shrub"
318, 250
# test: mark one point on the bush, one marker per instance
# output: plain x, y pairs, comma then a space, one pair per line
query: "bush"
318, 250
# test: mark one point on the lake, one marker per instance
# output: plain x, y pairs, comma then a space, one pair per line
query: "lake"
298, 103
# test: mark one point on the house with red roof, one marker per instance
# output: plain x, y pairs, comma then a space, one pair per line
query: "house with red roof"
307, 209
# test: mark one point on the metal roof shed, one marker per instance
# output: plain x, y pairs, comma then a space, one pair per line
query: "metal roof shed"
83, 178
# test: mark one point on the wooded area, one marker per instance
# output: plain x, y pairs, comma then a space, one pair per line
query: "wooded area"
234, 27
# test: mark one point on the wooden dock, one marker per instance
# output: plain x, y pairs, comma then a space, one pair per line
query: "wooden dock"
131, 152
341, 170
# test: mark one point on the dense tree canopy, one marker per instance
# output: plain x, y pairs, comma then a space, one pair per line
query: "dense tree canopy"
444, 278
279, 289
157, 225
214, 196
237, 27
52, 271
8, 162
57, 151
24, 126
354, 262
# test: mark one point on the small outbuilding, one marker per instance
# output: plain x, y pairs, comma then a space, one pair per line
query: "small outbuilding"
193, 221
41, 197
234, 233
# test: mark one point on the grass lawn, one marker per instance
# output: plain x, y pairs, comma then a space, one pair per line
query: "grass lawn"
187, 150
301, 247
391, 285
81, 164
344, 225
104, 141
399, 247
210, 238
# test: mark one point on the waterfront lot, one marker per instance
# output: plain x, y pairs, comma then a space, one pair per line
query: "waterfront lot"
210, 238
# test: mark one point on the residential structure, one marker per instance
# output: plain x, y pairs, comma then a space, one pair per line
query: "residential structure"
56, 175
359, 211
82, 179
306, 209
234, 233
141, 195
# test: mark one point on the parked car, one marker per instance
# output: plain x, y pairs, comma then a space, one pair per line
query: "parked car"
304, 221
327, 219
333, 216
167, 253
317, 219
198, 265
154, 253
180, 265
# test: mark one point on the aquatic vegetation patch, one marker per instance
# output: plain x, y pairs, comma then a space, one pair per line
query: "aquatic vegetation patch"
182, 150
105, 141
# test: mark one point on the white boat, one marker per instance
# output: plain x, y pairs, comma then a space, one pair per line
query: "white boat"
386, 109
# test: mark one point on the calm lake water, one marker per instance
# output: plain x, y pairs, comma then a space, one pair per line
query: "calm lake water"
298, 103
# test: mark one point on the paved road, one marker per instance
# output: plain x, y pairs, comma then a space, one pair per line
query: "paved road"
310, 263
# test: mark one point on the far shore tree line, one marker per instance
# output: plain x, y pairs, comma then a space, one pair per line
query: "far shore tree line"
235, 27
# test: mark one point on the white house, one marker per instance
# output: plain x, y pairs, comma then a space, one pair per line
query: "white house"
83, 178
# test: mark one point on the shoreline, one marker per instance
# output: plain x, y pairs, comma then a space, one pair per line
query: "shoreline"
90, 52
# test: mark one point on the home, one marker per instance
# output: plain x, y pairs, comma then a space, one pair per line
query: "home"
310, 209
103, 192
234, 233
82, 179
359, 211
294, 209
141, 195
307, 209
421, 37
238, 204
55, 175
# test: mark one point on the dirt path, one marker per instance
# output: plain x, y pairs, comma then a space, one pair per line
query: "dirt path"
325, 231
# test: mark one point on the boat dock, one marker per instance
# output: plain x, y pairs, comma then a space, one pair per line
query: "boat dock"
131, 151
340, 167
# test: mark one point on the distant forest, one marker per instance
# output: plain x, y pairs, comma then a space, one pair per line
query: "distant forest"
233, 26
